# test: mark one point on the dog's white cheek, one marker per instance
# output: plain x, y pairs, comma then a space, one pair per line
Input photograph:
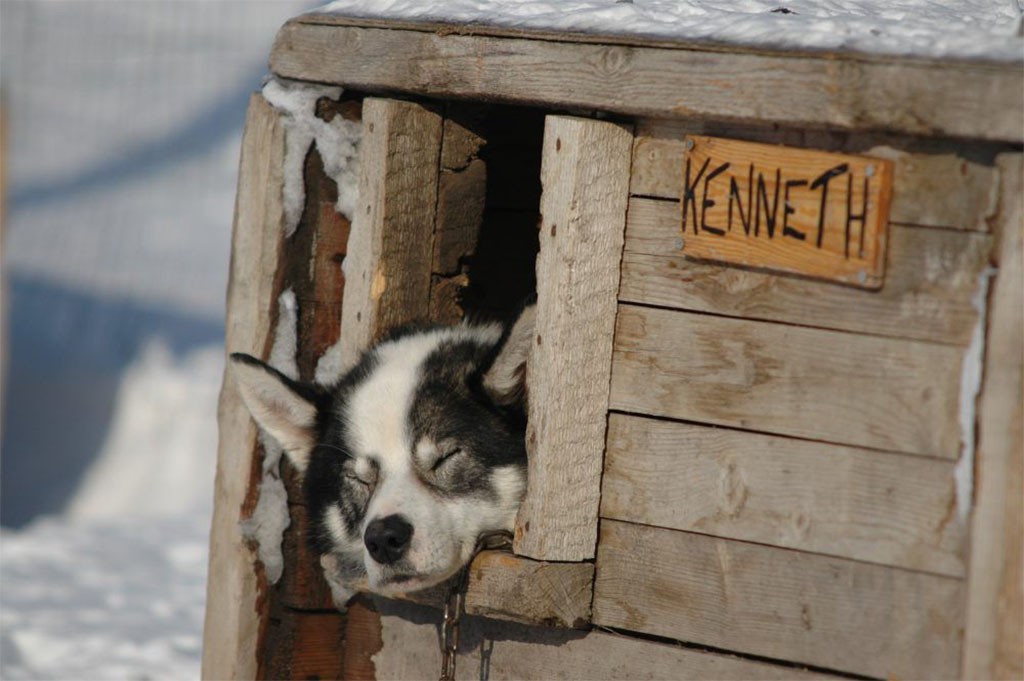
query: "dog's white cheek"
434, 552
510, 484
432, 549
465, 521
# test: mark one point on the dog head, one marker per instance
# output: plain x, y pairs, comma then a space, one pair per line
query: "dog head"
417, 451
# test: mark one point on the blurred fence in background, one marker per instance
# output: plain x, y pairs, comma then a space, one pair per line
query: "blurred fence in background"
123, 125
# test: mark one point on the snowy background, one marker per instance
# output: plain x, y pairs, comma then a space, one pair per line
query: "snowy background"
123, 123
123, 127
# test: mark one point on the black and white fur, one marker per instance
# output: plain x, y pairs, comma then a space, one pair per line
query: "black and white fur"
417, 451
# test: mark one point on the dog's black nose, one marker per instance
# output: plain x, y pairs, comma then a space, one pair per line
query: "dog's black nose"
387, 539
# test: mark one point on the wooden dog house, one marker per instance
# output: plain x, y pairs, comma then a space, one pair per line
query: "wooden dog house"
744, 464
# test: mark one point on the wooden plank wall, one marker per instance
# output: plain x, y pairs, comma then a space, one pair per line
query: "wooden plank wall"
780, 472
389, 265
500, 651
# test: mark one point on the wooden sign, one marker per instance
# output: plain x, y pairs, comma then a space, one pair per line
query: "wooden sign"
818, 214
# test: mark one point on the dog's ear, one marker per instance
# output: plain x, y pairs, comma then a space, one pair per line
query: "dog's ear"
284, 408
505, 380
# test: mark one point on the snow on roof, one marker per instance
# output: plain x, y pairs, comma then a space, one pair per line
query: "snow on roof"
958, 29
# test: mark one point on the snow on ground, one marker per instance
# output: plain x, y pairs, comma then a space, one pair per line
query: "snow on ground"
930, 28
115, 588
104, 599
160, 454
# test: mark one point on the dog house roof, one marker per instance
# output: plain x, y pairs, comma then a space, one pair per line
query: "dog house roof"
948, 29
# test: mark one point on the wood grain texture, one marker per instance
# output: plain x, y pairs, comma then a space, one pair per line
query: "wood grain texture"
828, 612
362, 642
461, 196
389, 253
532, 592
234, 601
824, 385
500, 652
930, 281
309, 266
940, 98
813, 213
302, 585
841, 501
461, 143
934, 190
515, 589
995, 605
585, 175
944, 190
460, 211
309, 645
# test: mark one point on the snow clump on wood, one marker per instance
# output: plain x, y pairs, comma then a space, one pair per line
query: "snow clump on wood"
337, 142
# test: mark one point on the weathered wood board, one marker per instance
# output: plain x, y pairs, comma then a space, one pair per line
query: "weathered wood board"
931, 281
533, 592
302, 585
460, 209
461, 197
309, 266
840, 614
842, 501
995, 603
585, 175
508, 587
499, 652
823, 385
309, 645
807, 212
936, 190
944, 190
234, 598
362, 642
390, 252
975, 100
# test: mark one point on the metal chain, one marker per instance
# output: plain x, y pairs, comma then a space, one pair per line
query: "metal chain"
455, 603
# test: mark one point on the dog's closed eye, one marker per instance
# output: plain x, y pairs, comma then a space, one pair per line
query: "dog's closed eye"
447, 457
363, 473
356, 479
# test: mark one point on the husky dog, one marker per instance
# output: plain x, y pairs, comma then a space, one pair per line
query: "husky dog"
410, 457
